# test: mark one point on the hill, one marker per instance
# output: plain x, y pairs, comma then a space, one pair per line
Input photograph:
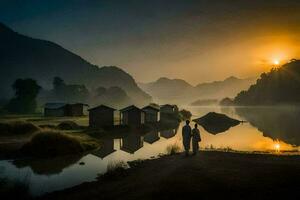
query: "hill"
25, 57
229, 87
166, 90
279, 86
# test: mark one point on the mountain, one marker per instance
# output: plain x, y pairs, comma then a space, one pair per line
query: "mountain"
279, 86
25, 57
229, 87
166, 90
113, 96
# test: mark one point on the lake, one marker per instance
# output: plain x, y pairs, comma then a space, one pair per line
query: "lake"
267, 129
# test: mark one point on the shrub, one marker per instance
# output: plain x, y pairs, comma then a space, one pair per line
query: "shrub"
68, 125
17, 128
54, 143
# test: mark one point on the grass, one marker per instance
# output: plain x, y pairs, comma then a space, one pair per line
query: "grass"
173, 149
17, 128
68, 125
224, 149
49, 143
115, 169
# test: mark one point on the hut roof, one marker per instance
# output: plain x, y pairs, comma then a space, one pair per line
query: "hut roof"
132, 107
150, 107
54, 105
167, 105
60, 105
102, 107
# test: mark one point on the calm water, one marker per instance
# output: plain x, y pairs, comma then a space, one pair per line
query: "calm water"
267, 129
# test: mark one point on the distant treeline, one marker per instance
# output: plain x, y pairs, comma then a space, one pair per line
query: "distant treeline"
279, 86
28, 94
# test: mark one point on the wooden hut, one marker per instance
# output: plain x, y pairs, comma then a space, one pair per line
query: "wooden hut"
74, 110
54, 109
132, 116
63, 109
151, 114
101, 116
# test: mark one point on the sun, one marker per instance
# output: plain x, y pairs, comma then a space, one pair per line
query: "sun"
277, 147
276, 62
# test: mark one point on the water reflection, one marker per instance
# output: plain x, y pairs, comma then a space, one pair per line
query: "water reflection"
168, 133
131, 143
151, 137
59, 173
275, 122
48, 166
107, 148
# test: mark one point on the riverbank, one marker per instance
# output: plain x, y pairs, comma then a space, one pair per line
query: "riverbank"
208, 175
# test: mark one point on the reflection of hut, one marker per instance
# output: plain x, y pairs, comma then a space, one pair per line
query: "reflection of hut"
63, 109
131, 143
107, 148
151, 114
151, 137
101, 116
168, 133
132, 116
167, 110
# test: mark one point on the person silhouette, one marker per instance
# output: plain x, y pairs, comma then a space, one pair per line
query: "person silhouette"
196, 138
186, 137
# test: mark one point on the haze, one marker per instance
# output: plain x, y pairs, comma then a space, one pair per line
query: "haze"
194, 40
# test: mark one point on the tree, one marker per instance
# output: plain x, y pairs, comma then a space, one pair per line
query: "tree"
58, 83
24, 102
69, 93
279, 86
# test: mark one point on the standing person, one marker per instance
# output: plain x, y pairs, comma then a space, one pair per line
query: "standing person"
186, 137
195, 139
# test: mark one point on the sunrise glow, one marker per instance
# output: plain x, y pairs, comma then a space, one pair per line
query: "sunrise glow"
276, 62
277, 147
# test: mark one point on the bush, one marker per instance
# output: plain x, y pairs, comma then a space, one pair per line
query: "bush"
68, 125
53, 143
17, 128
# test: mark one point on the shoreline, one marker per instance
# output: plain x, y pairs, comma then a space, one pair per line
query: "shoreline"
238, 175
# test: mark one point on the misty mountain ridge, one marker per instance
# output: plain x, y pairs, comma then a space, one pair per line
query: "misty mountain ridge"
26, 57
279, 86
179, 91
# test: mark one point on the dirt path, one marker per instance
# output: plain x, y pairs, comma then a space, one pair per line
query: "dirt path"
209, 175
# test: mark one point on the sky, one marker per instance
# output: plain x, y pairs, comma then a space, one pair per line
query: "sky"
194, 40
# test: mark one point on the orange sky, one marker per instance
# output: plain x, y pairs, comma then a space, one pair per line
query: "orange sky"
194, 40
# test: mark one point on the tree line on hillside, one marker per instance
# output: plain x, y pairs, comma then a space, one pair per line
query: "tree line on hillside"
28, 94
279, 86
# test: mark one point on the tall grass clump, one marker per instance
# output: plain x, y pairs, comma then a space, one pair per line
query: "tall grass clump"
17, 128
115, 169
68, 125
49, 143
173, 149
